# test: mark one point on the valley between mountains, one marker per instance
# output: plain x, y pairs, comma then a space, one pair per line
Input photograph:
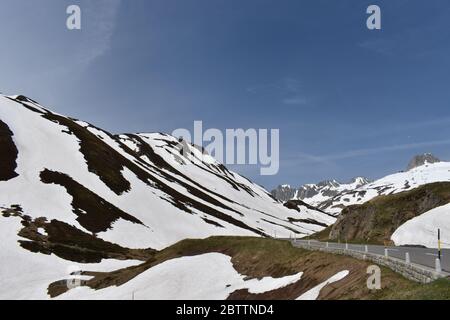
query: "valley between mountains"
130, 216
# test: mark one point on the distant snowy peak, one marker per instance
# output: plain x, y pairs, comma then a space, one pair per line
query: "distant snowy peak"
421, 159
315, 194
332, 196
391, 184
283, 192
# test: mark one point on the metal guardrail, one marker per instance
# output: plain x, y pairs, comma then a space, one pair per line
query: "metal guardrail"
412, 271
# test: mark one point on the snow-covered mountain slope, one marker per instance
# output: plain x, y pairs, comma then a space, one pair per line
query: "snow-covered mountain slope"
134, 190
391, 184
71, 193
422, 230
316, 194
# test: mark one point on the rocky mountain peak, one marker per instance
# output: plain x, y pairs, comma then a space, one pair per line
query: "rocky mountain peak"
328, 183
360, 181
283, 192
421, 159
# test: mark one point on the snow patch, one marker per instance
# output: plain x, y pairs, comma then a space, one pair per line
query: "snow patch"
207, 276
423, 229
313, 293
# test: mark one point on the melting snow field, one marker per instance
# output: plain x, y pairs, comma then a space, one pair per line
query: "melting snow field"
45, 144
313, 293
422, 230
27, 275
206, 276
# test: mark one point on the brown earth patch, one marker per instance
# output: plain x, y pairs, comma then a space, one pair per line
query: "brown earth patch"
94, 213
295, 204
101, 159
70, 243
8, 153
146, 150
308, 221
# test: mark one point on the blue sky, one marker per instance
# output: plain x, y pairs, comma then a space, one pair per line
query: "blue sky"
348, 101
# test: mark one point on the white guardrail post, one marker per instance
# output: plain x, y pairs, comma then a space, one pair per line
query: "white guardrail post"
438, 265
367, 255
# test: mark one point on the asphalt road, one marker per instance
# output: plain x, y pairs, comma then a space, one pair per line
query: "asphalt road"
421, 256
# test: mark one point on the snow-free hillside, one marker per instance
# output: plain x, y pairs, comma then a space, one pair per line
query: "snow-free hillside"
391, 184
422, 229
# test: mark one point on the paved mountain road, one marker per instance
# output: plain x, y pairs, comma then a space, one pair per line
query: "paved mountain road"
421, 256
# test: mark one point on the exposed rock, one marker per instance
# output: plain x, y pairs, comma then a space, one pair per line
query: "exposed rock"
326, 190
421, 159
283, 193
8, 153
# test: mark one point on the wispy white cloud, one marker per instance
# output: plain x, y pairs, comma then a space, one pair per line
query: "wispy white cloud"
381, 46
295, 101
288, 88
330, 158
285, 85
404, 41
292, 85
98, 23
397, 128
102, 16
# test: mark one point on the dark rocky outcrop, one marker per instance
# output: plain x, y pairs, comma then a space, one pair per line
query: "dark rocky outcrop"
8, 153
283, 193
94, 213
421, 159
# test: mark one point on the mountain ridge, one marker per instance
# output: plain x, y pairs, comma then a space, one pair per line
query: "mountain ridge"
332, 196
314, 194
117, 164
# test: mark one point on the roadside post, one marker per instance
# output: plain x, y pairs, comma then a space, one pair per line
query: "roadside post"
438, 265
439, 244
407, 259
